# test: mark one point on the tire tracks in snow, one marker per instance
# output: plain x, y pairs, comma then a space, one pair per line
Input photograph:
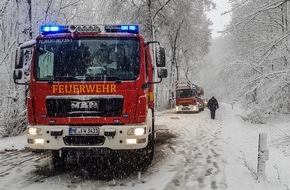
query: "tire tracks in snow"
200, 161
16, 164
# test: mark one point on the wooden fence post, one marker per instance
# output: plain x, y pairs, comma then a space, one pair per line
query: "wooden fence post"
263, 155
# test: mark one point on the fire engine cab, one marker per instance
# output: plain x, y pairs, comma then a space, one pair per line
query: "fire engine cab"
188, 97
91, 91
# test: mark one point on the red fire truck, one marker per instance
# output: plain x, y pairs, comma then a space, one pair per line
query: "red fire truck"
188, 97
91, 92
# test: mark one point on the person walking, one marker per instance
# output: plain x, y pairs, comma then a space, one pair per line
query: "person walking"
213, 105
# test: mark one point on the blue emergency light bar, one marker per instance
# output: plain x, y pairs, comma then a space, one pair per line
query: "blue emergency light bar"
122, 28
54, 29
50, 28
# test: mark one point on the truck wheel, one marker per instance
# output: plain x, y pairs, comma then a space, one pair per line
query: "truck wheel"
58, 162
145, 159
145, 156
120, 165
149, 152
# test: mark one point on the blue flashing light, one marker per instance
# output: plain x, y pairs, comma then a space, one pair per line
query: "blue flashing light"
46, 29
52, 29
122, 28
133, 27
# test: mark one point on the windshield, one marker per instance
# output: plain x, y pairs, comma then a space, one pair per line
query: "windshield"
87, 59
185, 93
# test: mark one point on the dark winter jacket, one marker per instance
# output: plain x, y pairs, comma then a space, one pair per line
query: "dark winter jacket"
213, 104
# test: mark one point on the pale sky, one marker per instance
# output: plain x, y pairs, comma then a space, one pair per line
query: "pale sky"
219, 21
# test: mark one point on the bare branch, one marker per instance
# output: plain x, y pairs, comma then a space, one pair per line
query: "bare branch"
160, 9
3, 8
8, 51
262, 9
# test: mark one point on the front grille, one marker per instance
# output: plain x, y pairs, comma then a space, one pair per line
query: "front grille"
82, 107
89, 153
84, 140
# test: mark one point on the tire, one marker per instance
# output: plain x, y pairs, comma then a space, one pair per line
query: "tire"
59, 163
121, 165
149, 153
150, 147
144, 159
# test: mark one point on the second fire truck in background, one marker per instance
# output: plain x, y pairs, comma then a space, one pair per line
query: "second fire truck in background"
188, 97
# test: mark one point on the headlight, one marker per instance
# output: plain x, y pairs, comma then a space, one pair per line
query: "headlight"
135, 141
131, 141
39, 141
35, 141
139, 131
34, 131
136, 131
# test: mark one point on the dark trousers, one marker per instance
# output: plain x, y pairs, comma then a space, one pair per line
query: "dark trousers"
212, 114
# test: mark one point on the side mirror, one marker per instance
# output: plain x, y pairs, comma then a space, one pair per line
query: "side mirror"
162, 73
160, 58
22, 65
17, 74
18, 77
19, 58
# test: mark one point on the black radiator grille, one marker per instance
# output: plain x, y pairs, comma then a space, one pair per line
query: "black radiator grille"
73, 107
84, 140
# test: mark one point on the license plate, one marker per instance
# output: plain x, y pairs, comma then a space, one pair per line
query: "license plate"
84, 130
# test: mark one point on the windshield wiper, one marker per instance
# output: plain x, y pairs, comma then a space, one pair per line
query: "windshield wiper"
64, 78
51, 79
102, 78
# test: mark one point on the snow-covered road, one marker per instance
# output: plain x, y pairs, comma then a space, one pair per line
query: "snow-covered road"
197, 150
192, 152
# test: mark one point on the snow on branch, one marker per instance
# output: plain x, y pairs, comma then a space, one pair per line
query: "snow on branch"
275, 42
235, 8
27, 44
264, 8
3, 8
266, 54
14, 96
272, 46
70, 4
156, 13
8, 51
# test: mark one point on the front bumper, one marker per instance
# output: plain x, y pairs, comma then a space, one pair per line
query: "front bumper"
116, 137
187, 108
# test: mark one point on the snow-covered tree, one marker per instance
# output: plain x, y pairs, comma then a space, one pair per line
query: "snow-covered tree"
15, 27
19, 22
259, 65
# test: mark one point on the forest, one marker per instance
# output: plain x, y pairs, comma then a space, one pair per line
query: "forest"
247, 65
